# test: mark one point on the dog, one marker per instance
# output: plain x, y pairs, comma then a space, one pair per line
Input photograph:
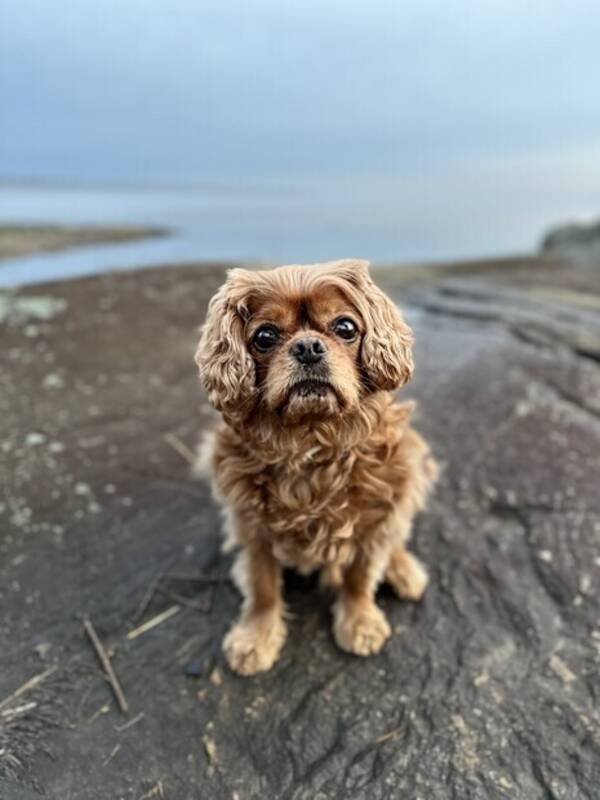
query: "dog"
314, 463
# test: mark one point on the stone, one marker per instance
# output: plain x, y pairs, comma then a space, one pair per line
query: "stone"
574, 241
487, 688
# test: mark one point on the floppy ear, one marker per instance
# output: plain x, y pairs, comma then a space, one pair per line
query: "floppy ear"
226, 367
387, 343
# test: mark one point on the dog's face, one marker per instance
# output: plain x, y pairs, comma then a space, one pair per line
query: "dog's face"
301, 343
307, 353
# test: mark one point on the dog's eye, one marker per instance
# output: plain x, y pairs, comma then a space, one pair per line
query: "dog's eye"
266, 337
345, 328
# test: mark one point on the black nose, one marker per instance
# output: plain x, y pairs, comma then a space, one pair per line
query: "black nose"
308, 351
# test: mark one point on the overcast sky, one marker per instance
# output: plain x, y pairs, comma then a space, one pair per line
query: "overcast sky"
196, 89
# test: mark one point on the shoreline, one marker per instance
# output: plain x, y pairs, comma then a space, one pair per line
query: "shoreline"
34, 254
19, 241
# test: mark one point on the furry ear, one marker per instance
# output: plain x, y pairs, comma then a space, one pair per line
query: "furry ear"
387, 343
226, 368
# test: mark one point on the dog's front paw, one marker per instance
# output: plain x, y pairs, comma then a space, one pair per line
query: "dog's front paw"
406, 575
361, 630
253, 645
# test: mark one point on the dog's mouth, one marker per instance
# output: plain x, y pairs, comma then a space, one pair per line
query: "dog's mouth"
310, 397
311, 387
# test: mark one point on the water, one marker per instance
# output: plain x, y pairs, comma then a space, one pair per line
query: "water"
425, 216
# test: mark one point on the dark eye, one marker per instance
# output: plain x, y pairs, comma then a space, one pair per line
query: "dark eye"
345, 328
266, 337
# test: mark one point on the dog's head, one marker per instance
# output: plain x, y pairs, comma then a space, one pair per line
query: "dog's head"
301, 342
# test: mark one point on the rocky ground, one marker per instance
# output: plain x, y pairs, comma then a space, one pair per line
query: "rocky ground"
488, 689
22, 240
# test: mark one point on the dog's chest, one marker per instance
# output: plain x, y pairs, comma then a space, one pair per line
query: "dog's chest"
313, 511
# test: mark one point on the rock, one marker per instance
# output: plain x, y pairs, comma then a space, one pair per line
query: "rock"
576, 241
487, 689
193, 669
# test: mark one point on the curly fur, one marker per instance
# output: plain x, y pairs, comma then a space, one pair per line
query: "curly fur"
328, 480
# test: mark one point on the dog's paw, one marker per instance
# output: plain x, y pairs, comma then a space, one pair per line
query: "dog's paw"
362, 631
254, 645
406, 575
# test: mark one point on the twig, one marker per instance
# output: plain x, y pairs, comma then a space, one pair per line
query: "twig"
14, 712
147, 598
387, 736
183, 450
30, 684
152, 623
104, 709
184, 601
84, 698
185, 648
114, 752
151, 589
156, 790
106, 665
210, 748
130, 724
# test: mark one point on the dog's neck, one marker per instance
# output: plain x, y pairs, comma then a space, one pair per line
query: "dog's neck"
300, 446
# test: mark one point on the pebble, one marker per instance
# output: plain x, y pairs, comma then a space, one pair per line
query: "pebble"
34, 439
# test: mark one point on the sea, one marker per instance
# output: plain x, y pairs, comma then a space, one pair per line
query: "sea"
387, 219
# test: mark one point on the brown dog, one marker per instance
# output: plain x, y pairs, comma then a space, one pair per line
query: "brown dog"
315, 464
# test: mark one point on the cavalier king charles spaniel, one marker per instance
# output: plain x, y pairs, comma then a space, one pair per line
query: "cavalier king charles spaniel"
315, 464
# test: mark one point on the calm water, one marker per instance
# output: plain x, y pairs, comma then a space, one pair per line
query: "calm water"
419, 217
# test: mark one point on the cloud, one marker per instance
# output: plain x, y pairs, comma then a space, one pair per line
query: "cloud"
189, 89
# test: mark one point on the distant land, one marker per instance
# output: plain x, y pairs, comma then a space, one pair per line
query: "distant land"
22, 240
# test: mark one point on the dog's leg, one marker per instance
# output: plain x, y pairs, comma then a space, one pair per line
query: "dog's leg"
359, 625
404, 572
406, 575
255, 641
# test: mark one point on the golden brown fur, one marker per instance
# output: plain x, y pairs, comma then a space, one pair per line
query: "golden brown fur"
315, 464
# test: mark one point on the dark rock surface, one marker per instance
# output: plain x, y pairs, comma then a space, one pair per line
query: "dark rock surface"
488, 689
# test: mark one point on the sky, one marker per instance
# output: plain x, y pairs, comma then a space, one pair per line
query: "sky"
193, 90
